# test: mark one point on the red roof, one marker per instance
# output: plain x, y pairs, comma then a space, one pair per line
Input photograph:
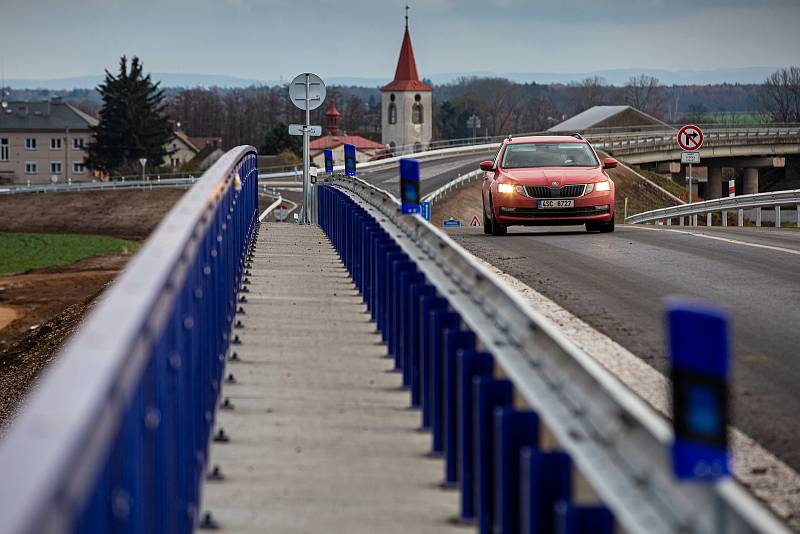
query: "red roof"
406, 77
330, 141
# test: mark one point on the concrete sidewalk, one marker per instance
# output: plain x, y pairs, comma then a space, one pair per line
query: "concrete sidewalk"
321, 437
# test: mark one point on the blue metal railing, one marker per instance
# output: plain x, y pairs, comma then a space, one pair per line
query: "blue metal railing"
115, 436
491, 448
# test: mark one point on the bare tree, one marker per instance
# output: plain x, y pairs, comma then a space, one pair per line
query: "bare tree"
780, 95
645, 93
588, 92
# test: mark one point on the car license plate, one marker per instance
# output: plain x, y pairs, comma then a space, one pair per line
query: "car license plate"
556, 204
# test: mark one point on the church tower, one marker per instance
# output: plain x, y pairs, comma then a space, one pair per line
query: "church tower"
406, 105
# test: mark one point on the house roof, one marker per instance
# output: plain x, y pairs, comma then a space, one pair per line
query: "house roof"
47, 115
406, 77
332, 141
183, 138
598, 114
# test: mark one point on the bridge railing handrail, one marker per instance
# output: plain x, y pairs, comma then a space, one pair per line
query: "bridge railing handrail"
98, 185
757, 200
440, 192
618, 441
114, 435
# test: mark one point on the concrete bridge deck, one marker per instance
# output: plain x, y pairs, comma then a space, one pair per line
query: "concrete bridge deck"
321, 437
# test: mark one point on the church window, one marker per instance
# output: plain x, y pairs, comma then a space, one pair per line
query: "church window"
418, 114
392, 113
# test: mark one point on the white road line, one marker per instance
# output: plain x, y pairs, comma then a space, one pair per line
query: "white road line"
718, 238
766, 476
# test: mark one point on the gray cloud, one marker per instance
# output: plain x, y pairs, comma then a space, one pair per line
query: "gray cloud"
266, 39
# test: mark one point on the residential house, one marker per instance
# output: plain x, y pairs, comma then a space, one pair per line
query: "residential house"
42, 142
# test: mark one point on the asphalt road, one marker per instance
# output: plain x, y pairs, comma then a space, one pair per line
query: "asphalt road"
433, 173
617, 283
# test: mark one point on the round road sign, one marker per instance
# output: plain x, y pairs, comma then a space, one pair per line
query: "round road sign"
281, 213
316, 91
690, 137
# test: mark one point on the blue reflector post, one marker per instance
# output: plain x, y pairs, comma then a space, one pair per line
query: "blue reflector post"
329, 161
699, 356
545, 479
574, 519
350, 160
409, 186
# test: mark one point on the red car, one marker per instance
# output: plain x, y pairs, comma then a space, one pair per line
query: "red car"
547, 181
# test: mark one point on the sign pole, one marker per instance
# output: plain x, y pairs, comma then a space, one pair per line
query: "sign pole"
306, 178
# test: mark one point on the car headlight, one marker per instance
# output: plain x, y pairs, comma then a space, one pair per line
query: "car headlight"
505, 188
602, 186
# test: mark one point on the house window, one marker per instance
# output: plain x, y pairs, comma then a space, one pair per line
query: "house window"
55, 143
31, 167
417, 114
78, 168
55, 167
77, 143
392, 113
4, 149
30, 143
175, 162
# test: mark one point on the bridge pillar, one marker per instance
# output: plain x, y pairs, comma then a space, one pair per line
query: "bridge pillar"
750, 181
680, 176
714, 185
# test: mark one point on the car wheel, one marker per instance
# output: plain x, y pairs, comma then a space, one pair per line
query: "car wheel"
487, 222
607, 227
497, 228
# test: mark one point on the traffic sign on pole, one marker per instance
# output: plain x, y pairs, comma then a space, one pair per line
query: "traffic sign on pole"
475, 221
732, 188
307, 92
297, 129
699, 356
409, 186
690, 157
329, 161
690, 137
281, 213
350, 160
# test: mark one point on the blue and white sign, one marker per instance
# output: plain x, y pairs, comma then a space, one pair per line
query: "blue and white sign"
350, 160
451, 223
425, 208
699, 349
329, 161
409, 186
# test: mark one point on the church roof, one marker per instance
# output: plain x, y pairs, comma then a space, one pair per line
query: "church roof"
406, 77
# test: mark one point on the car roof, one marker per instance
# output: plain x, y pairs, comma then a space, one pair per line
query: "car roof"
545, 139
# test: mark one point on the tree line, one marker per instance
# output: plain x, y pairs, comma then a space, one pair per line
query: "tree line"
138, 117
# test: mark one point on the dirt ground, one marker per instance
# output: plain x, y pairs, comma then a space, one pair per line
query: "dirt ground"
127, 213
39, 309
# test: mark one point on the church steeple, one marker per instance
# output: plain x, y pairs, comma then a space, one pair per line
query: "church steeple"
406, 77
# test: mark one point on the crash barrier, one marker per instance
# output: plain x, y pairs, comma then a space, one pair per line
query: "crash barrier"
99, 186
756, 202
440, 193
115, 436
512, 406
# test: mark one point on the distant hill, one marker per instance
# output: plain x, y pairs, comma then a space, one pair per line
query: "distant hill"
743, 75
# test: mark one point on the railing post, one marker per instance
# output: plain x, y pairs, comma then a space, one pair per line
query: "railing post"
455, 341
708, 219
758, 217
545, 479
513, 430
777, 216
725, 218
740, 217
442, 321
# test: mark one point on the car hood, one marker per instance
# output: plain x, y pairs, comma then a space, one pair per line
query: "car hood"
548, 175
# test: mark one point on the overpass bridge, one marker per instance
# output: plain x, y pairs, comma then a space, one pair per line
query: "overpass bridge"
363, 375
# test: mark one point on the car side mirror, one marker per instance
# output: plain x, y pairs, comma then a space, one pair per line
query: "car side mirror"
610, 163
487, 165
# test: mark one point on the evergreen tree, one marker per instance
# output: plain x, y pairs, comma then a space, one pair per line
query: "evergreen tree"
278, 139
132, 123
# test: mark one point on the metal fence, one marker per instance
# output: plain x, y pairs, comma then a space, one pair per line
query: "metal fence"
114, 436
454, 329
775, 201
441, 192
98, 186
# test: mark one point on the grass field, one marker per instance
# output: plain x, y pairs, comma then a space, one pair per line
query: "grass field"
21, 252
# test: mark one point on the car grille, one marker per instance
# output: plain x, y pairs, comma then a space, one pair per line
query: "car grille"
534, 213
543, 191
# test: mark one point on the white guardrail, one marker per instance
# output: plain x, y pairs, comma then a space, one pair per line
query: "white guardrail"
437, 194
618, 442
94, 186
757, 202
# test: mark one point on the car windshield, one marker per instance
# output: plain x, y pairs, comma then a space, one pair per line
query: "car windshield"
548, 155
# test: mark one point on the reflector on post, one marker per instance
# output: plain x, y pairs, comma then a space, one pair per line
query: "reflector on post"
329, 161
409, 186
699, 352
350, 160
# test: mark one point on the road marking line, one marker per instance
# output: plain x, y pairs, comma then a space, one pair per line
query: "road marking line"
760, 471
718, 238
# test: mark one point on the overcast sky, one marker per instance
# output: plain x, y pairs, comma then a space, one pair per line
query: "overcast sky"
267, 39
